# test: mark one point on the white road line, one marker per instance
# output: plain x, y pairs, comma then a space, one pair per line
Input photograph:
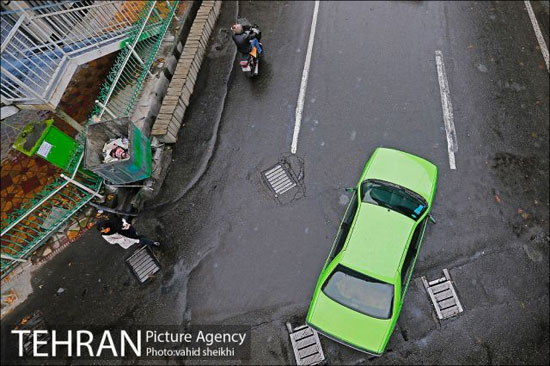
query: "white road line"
536, 28
303, 85
446, 105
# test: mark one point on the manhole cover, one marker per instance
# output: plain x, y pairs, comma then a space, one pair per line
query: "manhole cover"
279, 179
143, 264
443, 296
306, 345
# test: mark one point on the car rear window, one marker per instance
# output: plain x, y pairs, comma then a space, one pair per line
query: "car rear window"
394, 197
360, 292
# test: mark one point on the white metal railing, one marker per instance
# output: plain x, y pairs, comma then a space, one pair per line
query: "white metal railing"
40, 42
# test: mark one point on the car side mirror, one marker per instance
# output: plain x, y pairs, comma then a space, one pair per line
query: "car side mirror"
432, 219
350, 190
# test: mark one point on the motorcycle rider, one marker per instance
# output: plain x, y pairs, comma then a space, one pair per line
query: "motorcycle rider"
243, 35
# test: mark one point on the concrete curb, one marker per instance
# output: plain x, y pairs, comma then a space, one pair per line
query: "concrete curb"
180, 89
198, 171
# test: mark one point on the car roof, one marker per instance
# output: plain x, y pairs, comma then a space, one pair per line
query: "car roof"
377, 241
407, 170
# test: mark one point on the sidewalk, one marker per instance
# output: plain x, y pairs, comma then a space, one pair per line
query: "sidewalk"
23, 177
89, 282
198, 134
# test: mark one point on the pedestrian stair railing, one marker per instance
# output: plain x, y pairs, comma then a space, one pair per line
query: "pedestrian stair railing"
121, 90
27, 227
42, 45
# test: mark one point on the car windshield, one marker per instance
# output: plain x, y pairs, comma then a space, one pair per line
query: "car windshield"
393, 197
360, 293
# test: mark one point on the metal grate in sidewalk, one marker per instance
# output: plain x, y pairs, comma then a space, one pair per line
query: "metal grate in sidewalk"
143, 264
279, 180
306, 345
33, 322
443, 296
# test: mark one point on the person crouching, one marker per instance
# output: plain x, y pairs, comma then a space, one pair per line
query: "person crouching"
119, 231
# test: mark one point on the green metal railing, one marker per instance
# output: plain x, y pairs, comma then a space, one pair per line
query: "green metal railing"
29, 226
38, 198
124, 83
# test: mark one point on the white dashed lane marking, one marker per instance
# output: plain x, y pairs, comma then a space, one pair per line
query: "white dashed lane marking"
446, 105
538, 34
303, 85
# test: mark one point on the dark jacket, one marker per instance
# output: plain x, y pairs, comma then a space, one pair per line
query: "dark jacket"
116, 228
243, 40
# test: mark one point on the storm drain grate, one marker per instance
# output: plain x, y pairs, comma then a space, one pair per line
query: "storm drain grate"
443, 296
31, 323
306, 345
143, 264
279, 179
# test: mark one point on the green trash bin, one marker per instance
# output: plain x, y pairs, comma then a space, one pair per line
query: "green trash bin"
137, 166
42, 138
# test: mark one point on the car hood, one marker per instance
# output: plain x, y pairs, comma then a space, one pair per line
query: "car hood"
348, 326
407, 170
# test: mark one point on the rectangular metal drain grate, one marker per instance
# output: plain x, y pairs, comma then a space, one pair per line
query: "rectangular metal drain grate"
279, 179
443, 296
31, 323
306, 345
143, 264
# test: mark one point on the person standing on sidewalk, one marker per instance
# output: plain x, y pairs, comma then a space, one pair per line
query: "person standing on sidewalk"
119, 231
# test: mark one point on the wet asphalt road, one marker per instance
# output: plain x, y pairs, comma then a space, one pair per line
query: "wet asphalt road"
234, 255
373, 82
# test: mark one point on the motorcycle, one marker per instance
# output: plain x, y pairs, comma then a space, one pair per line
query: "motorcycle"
250, 63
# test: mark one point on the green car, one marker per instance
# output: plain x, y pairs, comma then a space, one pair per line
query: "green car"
360, 291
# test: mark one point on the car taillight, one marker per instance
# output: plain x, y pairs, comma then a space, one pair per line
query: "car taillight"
244, 63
